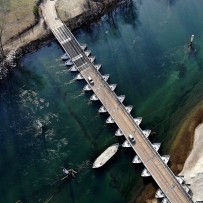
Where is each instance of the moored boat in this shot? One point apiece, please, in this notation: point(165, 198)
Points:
point(156, 146)
point(165, 200)
point(138, 121)
point(92, 59)
point(121, 98)
point(105, 77)
point(88, 52)
point(65, 56)
point(126, 143)
point(102, 109)
point(137, 160)
point(110, 120)
point(165, 158)
point(119, 133)
point(87, 88)
point(159, 194)
point(79, 77)
point(98, 66)
point(113, 87)
point(105, 156)
point(94, 97)
point(145, 173)
point(73, 68)
point(146, 132)
point(129, 108)
point(69, 62)
point(83, 46)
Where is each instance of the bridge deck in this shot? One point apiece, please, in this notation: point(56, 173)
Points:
point(143, 148)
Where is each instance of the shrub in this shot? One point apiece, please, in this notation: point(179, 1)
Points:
point(35, 11)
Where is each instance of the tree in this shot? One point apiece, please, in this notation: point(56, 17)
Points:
point(2, 26)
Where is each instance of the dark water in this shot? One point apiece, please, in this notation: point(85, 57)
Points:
point(144, 48)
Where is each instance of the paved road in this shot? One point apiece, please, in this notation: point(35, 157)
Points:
point(143, 148)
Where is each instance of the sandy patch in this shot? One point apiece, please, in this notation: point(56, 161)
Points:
point(193, 168)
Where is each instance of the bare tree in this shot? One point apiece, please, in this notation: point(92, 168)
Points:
point(2, 29)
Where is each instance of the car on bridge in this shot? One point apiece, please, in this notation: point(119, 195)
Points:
point(90, 80)
point(132, 139)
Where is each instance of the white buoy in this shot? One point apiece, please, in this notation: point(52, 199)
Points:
point(192, 38)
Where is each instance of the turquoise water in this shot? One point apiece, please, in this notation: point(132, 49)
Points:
point(144, 49)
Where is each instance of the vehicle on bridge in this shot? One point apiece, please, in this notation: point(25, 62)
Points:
point(132, 139)
point(90, 80)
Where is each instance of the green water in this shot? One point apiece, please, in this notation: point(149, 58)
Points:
point(144, 49)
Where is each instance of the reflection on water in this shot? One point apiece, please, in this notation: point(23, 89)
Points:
point(48, 122)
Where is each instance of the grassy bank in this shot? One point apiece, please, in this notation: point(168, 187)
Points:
point(16, 15)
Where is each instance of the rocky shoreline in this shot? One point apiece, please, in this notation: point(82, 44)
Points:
point(95, 12)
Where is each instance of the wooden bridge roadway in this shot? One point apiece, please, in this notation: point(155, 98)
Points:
point(161, 173)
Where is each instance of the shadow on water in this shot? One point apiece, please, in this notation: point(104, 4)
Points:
point(48, 192)
point(126, 13)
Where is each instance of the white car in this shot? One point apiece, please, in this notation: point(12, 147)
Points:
point(90, 80)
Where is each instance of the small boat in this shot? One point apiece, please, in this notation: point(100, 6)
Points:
point(65, 56)
point(126, 144)
point(159, 194)
point(156, 146)
point(109, 120)
point(73, 68)
point(136, 160)
point(138, 121)
point(113, 87)
point(79, 77)
point(105, 156)
point(69, 62)
point(87, 88)
point(105, 77)
point(98, 66)
point(165, 158)
point(129, 108)
point(145, 173)
point(119, 133)
point(94, 97)
point(83, 46)
point(121, 98)
point(146, 133)
point(92, 59)
point(102, 109)
point(87, 53)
